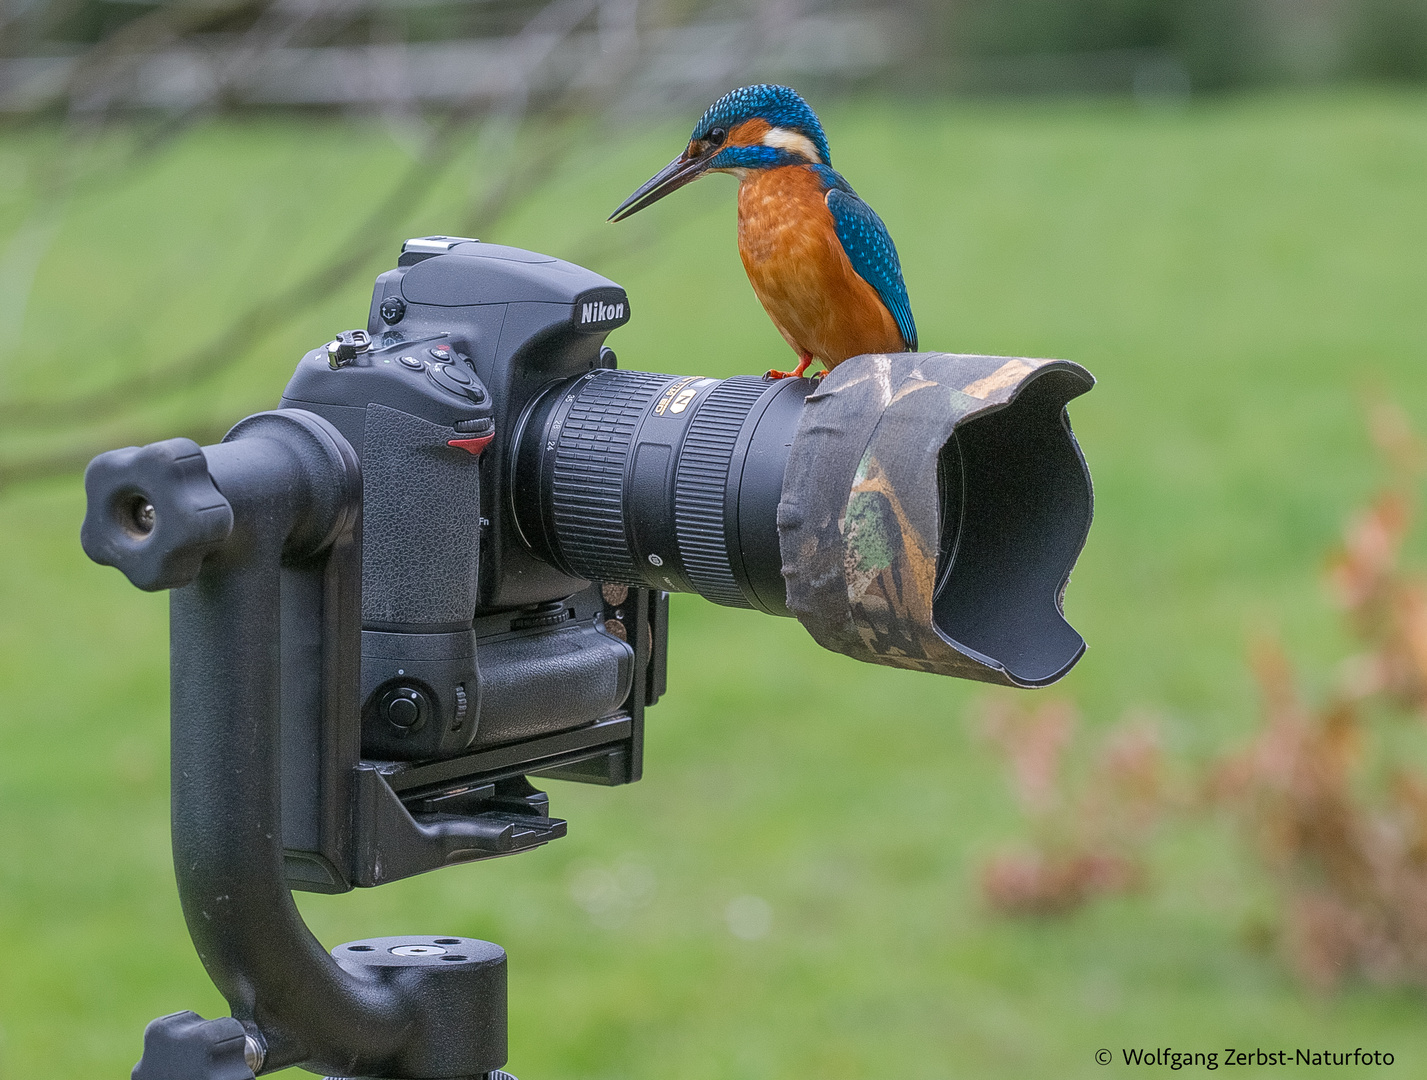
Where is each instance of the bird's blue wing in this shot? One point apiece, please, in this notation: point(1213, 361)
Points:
point(870, 249)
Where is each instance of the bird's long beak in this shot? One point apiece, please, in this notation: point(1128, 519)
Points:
point(671, 177)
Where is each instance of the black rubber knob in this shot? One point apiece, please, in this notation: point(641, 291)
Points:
point(184, 1044)
point(154, 512)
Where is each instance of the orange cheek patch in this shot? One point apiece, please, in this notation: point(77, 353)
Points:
point(749, 133)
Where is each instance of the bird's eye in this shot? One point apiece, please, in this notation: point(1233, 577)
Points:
point(716, 136)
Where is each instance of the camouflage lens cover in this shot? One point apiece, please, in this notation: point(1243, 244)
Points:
point(932, 510)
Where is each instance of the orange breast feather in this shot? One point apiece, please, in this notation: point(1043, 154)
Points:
point(800, 273)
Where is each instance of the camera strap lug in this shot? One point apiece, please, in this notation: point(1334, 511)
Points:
point(343, 349)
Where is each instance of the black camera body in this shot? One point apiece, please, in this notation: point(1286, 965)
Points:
point(468, 641)
point(475, 655)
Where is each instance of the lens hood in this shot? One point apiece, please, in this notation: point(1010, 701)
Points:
point(933, 507)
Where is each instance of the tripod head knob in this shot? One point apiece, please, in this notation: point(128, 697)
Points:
point(154, 513)
point(184, 1046)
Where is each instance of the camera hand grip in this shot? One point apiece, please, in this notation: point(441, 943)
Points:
point(421, 524)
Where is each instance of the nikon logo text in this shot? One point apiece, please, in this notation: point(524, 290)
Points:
point(598, 312)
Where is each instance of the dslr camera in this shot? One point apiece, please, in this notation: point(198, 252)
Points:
point(441, 569)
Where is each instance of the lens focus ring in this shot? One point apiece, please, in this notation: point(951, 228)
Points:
point(701, 486)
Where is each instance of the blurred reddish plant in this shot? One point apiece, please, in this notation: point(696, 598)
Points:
point(1087, 839)
point(1385, 605)
point(1349, 855)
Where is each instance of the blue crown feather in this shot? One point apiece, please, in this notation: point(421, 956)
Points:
point(781, 106)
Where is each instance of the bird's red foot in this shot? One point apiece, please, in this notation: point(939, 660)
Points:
point(804, 359)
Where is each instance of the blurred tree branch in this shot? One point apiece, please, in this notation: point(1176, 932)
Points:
point(569, 68)
point(519, 175)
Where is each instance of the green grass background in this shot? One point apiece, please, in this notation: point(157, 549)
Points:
point(1240, 275)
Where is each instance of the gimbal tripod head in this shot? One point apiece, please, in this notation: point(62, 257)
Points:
point(442, 569)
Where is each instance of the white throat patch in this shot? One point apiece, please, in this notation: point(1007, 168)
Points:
point(793, 142)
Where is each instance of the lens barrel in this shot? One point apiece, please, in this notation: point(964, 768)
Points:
point(665, 481)
point(933, 509)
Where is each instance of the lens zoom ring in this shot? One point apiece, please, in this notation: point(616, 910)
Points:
point(700, 485)
point(591, 452)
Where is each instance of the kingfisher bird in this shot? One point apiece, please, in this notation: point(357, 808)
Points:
point(819, 259)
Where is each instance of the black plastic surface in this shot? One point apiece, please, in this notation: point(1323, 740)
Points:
point(525, 320)
point(270, 791)
point(458, 988)
point(541, 683)
point(184, 1046)
point(439, 674)
point(765, 443)
point(154, 513)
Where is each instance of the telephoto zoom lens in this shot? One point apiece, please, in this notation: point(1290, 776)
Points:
point(665, 481)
